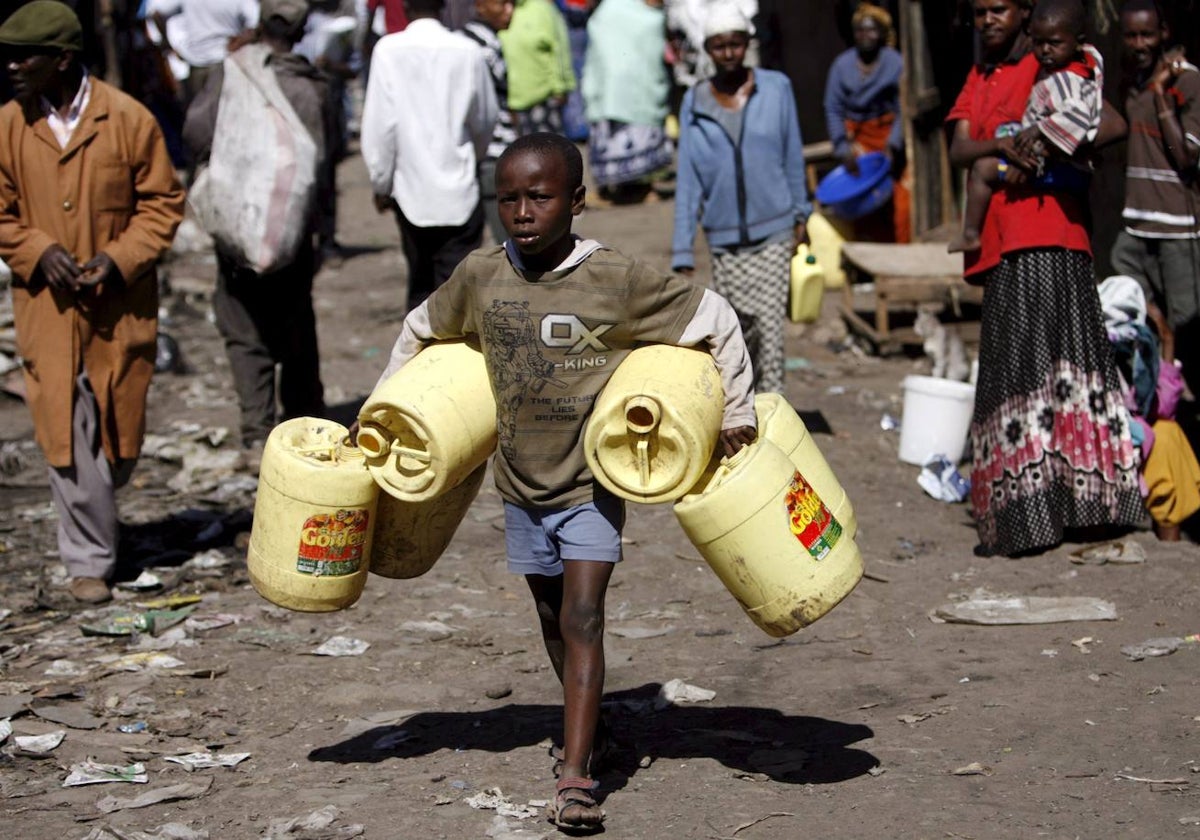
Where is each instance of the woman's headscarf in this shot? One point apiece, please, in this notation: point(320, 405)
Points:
point(881, 17)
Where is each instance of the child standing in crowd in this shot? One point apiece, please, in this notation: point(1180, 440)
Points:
point(562, 529)
point(1063, 112)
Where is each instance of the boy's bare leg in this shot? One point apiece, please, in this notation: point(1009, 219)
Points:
point(571, 612)
point(982, 177)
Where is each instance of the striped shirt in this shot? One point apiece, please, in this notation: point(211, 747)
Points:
point(505, 131)
point(1066, 105)
point(1160, 201)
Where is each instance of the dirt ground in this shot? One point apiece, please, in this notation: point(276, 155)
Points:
point(875, 722)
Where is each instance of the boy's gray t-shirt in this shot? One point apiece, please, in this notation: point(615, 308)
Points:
point(551, 344)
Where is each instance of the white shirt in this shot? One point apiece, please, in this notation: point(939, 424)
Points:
point(427, 119)
point(63, 123)
point(207, 26)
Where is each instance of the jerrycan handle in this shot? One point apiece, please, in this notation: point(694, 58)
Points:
point(642, 416)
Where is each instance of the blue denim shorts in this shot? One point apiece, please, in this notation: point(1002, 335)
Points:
point(539, 540)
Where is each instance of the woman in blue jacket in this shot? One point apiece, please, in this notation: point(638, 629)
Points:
point(741, 176)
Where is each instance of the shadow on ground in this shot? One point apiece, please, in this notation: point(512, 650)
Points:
point(785, 748)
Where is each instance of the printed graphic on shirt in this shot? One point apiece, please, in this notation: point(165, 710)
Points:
point(516, 362)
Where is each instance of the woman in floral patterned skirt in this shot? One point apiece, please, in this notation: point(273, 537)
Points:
point(1050, 435)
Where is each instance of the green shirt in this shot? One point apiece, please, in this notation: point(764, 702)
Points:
point(537, 53)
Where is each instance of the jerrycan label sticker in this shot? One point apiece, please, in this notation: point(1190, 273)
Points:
point(331, 544)
point(809, 519)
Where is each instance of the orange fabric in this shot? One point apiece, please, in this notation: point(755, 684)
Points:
point(872, 136)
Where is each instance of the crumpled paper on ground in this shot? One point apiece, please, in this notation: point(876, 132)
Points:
point(493, 799)
point(677, 691)
point(986, 608)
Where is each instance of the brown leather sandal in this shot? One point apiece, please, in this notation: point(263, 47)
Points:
point(573, 809)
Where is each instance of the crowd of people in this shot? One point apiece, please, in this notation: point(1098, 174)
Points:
point(470, 120)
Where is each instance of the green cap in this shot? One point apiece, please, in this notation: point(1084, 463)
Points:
point(43, 23)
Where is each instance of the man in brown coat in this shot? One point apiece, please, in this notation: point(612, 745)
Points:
point(88, 204)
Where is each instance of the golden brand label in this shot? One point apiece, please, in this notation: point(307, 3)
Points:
point(331, 544)
point(810, 520)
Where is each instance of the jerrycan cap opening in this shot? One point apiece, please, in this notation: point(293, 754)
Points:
point(373, 441)
point(642, 414)
point(315, 442)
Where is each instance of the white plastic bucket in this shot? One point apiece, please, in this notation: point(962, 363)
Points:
point(937, 416)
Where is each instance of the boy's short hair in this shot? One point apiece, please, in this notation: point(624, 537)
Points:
point(1068, 12)
point(1130, 7)
point(549, 144)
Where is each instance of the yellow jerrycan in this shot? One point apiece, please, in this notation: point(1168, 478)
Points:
point(431, 424)
point(310, 544)
point(771, 540)
point(411, 536)
point(825, 243)
point(807, 287)
point(779, 423)
point(655, 425)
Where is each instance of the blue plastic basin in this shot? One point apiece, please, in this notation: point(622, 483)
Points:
point(853, 196)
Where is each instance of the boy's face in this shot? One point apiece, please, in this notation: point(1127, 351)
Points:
point(495, 13)
point(1143, 35)
point(1054, 44)
point(868, 36)
point(536, 205)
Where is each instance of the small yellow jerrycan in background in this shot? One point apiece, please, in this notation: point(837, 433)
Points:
point(310, 545)
point(772, 541)
point(431, 424)
point(779, 423)
point(655, 425)
point(411, 536)
point(807, 287)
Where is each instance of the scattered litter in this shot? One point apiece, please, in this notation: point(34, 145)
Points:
point(126, 624)
point(1130, 778)
point(889, 423)
point(1163, 646)
point(435, 630)
point(204, 623)
point(93, 773)
point(36, 745)
point(132, 728)
point(65, 668)
point(1050, 652)
point(205, 760)
point(342, 646)
point(67, 716)
point(145, 581)
point(986, 608)
point(677, 691)
point(166, 831)
point(835, 390)
point(140, 661)
point(493, 799)
point(1082, 644)
point(501, 830)
point(170, 602)
point(972, 769)
point(186, 790)
point(917, 718)
point(877, 770)
point(940, 478)
point(309, 826)
point(642, 632)
point(1118, 553)
point(1189, 820)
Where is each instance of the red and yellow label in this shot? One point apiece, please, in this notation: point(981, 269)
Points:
point(810, 520)
point(331, 544)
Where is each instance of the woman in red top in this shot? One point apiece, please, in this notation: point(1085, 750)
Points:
point(1050, 437)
